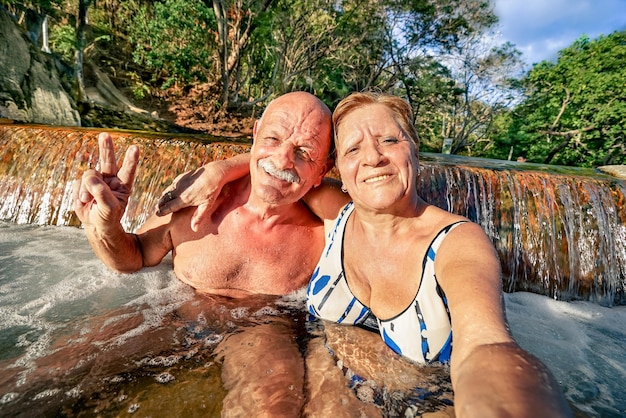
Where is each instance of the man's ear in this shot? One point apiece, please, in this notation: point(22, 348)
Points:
point(255, 129)
point(328, 165)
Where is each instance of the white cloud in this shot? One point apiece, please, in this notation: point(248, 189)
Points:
point(540, 28)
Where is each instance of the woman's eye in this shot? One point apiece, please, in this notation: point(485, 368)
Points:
point(390, 140)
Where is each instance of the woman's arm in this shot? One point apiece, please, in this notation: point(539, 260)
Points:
point(200, 187)
point(491, 375)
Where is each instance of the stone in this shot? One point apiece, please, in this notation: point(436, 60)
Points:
point(30, 87)
point(618, 171)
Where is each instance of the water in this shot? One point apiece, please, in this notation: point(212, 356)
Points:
point(79, 340)
point(559, 231)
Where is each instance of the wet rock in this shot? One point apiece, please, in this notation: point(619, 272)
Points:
point(618, 171)
point(30, 87)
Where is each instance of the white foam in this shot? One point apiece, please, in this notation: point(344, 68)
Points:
point(581, 342)
point(51, 282)
point(55, 280)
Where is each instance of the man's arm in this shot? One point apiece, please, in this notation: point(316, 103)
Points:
point(491, 375)
point(100, 199)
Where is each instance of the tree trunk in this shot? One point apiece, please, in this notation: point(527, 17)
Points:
point(221, 16)
point(44, 30)
point(81, 22)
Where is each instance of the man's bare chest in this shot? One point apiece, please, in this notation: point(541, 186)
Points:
point(247, 257)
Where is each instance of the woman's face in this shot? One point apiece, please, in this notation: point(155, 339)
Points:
point(376, 159)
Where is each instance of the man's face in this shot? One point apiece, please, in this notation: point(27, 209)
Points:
point(290, 150)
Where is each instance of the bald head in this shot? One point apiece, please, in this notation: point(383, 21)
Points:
point(299, 98)
point(301, 105)
point(292, 142)
point(305, 112)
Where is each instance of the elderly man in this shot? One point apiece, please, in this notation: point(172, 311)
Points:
point(257, 239)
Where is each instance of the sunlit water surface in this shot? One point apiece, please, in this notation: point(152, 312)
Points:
point(79, 340)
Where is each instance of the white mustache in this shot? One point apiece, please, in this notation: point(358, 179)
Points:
point(285, 175)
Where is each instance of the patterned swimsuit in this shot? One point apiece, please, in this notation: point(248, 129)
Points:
point(422, 332)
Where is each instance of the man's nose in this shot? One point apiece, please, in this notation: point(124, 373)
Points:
point(284, 157)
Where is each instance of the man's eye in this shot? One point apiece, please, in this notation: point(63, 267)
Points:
point(390, 140)
point(303, 153)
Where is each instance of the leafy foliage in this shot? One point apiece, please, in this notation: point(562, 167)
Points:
point(574, 112)
point(173, 38)
point(439, 55)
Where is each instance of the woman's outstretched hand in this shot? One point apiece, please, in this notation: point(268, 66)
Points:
point(201, 187)
point(193, 188)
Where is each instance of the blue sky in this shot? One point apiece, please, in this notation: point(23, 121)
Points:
point(541, 28)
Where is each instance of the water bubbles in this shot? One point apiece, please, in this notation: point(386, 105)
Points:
point(161, 361)
point(116, 379)
point(74, 392)
point(46, 393)
point(8, 397)
point(213, 340)
point(238, 313)
point(133, 408)
point(165, 378)
point(266, 311)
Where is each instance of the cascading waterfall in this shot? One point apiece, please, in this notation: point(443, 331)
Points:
point(559, 232)
point(38, 166)
point(78, 339)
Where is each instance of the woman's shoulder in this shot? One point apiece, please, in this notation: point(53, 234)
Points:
point(462, 228)
point(441, 218)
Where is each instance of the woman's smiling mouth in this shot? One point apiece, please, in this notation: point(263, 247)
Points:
point(377, 178)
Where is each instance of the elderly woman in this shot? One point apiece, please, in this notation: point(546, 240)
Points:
point(423, 273)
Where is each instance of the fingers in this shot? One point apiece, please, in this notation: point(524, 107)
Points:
point(129, 166)
point(94, 186)
point(79, 192)
point(108, 165)
point(78, 203)
point(168, 203)
point(201, 212)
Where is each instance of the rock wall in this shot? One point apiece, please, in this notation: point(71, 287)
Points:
point(30, 87)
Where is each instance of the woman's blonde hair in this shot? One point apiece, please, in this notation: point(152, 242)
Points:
point(403, 114)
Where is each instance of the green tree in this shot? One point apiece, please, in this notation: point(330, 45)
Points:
point(436, 55)
point(483, 87)
point(574, 111)
point(174, 39)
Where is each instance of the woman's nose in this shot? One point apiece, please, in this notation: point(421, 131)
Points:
point(371, 155)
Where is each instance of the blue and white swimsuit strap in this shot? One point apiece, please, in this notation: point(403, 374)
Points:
point(427, 317)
